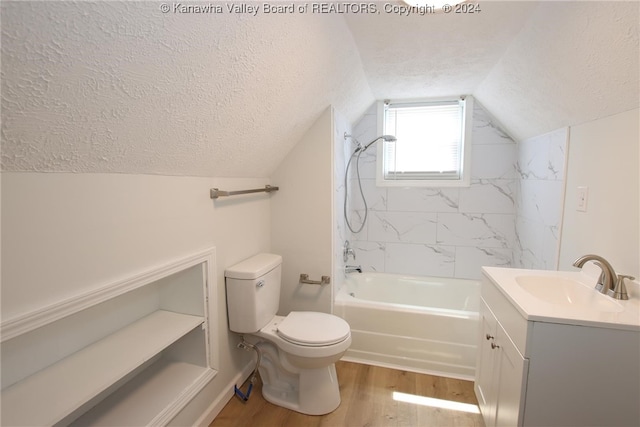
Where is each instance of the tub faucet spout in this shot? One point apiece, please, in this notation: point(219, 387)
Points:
point(608, 277)
point(352, 269)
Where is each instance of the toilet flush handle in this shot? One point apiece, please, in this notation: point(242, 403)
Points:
point(260, 284)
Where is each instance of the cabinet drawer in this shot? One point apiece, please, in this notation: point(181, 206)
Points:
point(511, 320)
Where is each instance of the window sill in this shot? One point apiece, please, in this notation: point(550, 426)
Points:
point(431, 183)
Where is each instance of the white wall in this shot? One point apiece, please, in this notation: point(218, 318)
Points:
point(65, 234)
point(301, 218)
point(603, 156)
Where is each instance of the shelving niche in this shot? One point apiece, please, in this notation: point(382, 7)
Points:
point(131, 353)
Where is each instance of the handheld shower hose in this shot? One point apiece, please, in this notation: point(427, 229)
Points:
point(358, 151)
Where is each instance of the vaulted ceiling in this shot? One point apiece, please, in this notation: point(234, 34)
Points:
point(121, 87)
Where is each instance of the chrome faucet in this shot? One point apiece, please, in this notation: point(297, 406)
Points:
point(346, 251)
point(608, 278)
point(352, 269)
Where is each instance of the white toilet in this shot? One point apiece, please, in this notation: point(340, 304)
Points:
point(299, 351)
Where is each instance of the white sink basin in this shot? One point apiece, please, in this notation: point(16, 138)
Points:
point(568, 293)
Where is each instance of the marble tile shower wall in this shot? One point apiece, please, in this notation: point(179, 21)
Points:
point(540, 193)
point(444, 232)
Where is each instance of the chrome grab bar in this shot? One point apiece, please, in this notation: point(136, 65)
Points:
point(215, 192)
point(324, 280)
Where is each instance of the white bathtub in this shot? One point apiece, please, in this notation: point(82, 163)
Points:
point(420, 324)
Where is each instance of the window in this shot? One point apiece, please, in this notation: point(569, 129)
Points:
point(432, 146)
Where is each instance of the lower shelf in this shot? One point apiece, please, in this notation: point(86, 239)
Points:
point(56, 393)
point(153, 397)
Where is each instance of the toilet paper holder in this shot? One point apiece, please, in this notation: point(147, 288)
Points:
point(324, 280)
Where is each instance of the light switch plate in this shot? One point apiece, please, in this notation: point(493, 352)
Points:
point(583, 197)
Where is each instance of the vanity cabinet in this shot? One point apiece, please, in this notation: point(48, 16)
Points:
point(535, 371)
point(133, 352)
point(501, 373)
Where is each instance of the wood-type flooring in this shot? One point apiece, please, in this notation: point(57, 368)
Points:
point(367, 394)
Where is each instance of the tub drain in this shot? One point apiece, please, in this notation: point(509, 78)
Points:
point(352, 294)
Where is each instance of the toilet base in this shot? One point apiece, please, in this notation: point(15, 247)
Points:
point(316, 392)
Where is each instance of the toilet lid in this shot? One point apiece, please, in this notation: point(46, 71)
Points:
point(313, 328)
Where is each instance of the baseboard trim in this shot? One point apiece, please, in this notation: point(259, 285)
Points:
point(223, 398)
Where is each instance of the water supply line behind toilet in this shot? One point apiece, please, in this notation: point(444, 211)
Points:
point(247, 346)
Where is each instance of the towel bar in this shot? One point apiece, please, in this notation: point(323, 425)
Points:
point(215, 193)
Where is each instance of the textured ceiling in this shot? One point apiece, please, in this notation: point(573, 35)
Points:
point(573, 62)
point(122, 87)
point(537, 66)
point(435, 55)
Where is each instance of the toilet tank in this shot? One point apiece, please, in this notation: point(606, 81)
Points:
point(253, 292)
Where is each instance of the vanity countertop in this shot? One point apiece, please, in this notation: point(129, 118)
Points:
point(622, 314)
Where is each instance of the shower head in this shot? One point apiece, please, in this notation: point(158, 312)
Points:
point(388, 138)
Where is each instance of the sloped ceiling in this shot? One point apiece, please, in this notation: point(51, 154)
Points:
point(435, 55)
point(122, 87)
point(572, 62)
point(536, 66)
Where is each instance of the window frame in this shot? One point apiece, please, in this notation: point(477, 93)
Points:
point(465, 172)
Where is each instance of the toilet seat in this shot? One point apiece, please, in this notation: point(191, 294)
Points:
point(313, 329)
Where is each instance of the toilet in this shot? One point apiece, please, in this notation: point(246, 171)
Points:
point(298, 351)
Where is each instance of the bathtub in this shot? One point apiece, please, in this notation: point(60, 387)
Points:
point(419, 324)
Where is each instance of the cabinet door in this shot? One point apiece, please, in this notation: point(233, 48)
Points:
point(511, 373)
point(485, 385)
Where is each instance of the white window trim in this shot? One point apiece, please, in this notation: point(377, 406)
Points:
point(465, 178)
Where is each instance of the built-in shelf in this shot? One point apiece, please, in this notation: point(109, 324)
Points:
point(132, 353)
point(54, 393)
point(151, 398)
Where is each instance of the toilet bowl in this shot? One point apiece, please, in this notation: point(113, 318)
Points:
point(301, 375)
point(298, 351)
point(309, 340)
